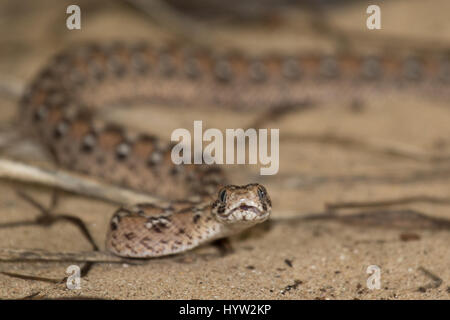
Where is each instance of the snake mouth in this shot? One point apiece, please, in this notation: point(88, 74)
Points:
point(247, 208)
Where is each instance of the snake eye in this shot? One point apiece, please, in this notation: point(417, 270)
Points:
point(261, 193)
point(223, 195)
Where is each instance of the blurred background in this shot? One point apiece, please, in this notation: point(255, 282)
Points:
point(335, 144)
point(379, 150)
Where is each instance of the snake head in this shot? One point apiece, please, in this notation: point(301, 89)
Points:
point(244, 204)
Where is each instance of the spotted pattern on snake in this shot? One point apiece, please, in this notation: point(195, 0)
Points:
point(59, 107)
point(182, 226)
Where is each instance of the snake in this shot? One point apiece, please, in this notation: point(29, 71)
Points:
point(59, 107)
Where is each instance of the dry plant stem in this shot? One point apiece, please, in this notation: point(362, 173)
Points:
point(36, 255)
point(30, 277)
point(182, 25)
point(73, 183)
point(396, 149)
point(385, 203)
point(11, 87)
point(436, 281)
point(88, 187)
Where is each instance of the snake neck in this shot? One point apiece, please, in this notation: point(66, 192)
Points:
point(146, 231)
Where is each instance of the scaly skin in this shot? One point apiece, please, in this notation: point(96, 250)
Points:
point(145, 231)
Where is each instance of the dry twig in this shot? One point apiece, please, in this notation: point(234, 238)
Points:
point(73, 183)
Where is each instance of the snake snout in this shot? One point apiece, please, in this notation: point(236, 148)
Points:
point(245, 209)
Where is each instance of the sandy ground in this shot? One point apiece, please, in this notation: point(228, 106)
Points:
point(298, 255)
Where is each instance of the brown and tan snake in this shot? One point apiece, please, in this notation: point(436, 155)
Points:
point(59, 105)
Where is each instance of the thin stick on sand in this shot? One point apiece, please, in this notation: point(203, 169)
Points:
point(37, 255)
point(73, 183)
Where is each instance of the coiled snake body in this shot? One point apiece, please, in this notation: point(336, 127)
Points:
point(59, 104)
